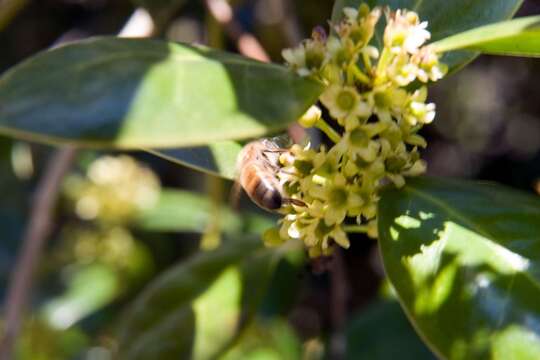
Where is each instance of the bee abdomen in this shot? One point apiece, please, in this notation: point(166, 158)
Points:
point(268, 196)
point(261, 188)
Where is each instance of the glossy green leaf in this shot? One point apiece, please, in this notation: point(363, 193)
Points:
point(519, 37)
point(197, 308)
point(267, 340)
point(186, 211)
point(445, 18)
point(218, 159)
point(464, 259)
point(383, 332)
point(135, 93)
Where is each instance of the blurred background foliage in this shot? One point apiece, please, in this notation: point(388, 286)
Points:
point(127, 219)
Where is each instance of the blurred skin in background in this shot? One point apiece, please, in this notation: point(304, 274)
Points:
point(100, 256)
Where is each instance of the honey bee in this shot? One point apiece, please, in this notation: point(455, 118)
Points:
point(257, 167)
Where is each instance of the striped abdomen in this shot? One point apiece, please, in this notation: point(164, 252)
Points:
point(261, 186)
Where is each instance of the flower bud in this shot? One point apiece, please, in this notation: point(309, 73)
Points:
point(310, 118)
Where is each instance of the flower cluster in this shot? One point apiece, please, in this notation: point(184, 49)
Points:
point(114, 190)
point(374, 123)
point(110, 196)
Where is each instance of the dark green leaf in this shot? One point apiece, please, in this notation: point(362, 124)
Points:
point(383, 332)
point(285, 285)
point(133, 93)
point(445, 17)
point(464, 259)
point(217, 158)
point(197, 308)
point(519, 37)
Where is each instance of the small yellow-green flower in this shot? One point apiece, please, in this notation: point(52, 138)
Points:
point(345, 102)
point(309, 57)
point(405, 31)
point(296, 58)
point(358, 143)
point(339, 196)
point(429, 67)
point(417, 111)
point(387, 102)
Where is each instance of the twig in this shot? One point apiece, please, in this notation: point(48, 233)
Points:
point(38, 228)
point(291, 28)
point(338, 303)
point(9, 9)
point(246, 43)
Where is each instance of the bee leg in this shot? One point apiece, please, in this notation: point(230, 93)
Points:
point(279, 151)
point(234, 195)
point(287, 172)
point(294, 202)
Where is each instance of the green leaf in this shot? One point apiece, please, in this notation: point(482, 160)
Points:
point(267, 340)
point(286, 284)
point(196, 309)
point(464, 259)
point(383, 332)
point(186, 211)
point(134, 93)
point(445, 18)
point(89, 289)
point(218, 159)
point(519, 37)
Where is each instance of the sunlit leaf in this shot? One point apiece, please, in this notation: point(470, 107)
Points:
point(183, 211)
point(217, 158)
point(445, 17)
point(135, 93)
point(198, 307)
point(383, 332)
point(520, 37)
point(464, 259)
point(269, 340)
point(89, 289)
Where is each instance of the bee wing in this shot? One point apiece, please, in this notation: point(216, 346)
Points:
point(281, 141)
